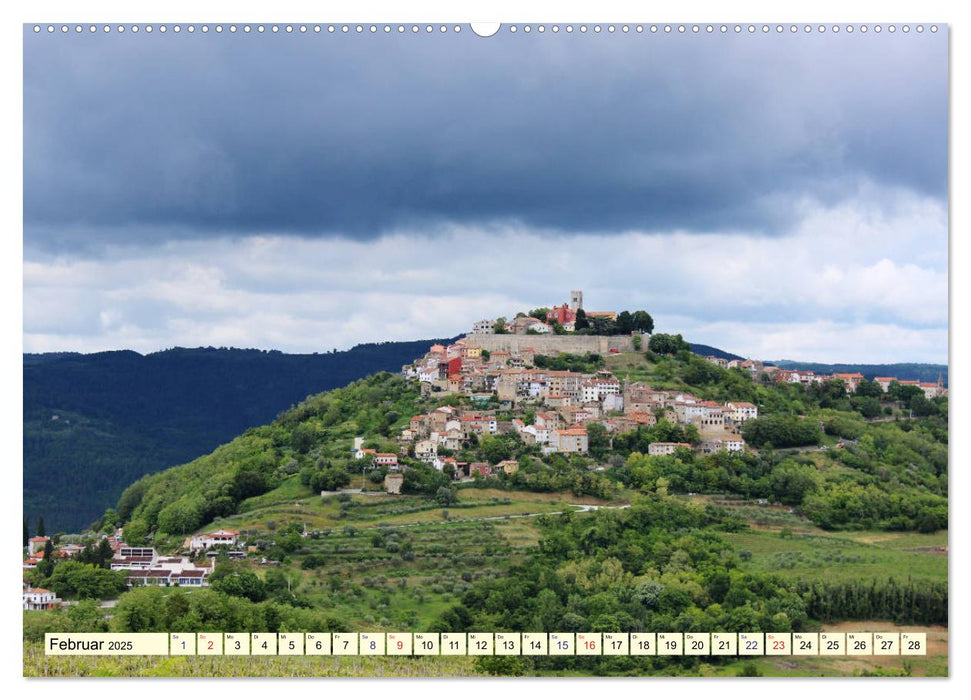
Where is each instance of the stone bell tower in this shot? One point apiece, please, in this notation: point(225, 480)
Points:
point(576, 300)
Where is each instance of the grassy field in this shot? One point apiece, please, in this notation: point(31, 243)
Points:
point(293, 502)
point(405, 576)
point(844, 556)
point(37, 664)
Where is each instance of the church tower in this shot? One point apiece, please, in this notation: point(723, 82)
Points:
point(576, 300)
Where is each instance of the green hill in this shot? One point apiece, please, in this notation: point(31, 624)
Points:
point(95, 423)
point(784, 538)
point(889, 472)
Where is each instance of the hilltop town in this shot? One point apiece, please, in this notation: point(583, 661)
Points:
point(504, 368)
point(553, 400)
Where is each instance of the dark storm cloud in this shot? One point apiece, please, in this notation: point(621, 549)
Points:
point(199, 135)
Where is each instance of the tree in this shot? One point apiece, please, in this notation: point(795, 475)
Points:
point(72, 578)
point(581, 321)
point(109, 522)
point(241, 584)
point(642, 321)
point(499, 327)
point(302, 438)
point(331, 479)
point(493, 449)
point(446, 495)
point(598, 440)
point(40, 526)
point(136, 533)
point(922, 406)
point(791, 482)
point(781, 431)
point(867, 387)
point(904, 392)
point(665, 344)
point(625, 322)
point(26, 533)
point(104, 554)
point(46, 566)
point(182, 516)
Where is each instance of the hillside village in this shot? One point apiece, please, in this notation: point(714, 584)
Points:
point(499, 380)
point(555, 408)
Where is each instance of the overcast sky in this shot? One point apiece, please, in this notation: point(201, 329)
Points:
point(775, 196)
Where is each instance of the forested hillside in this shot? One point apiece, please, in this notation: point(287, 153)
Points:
point(95, 423)
point(844, 461)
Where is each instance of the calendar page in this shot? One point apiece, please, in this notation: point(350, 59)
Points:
point(525, 349)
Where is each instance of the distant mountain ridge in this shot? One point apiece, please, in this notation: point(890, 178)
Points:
point(94, 423)
point(901, 370)
point(706, 350)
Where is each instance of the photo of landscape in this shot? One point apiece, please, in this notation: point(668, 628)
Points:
point(592, 346)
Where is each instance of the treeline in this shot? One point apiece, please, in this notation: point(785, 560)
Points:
point(159, 609)
point(908, 603)
point(855, 506)
point(626, 323)
point(781, 431)
point(564, 361)
point(73, 579)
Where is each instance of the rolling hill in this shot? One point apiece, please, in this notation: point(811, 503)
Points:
point(94, 423)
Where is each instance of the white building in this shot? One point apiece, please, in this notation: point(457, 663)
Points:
point(742, 411)
point(596, 389)
point(428, 373)
point(539, 435)
point(483, 326)
point(657, 449)
point(219, 538)
point(426, 450)
point(733, 444)
point(39, 598)
point(386, 459)
point(613, 402)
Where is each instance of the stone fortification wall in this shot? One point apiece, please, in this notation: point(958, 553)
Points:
point(553, 344)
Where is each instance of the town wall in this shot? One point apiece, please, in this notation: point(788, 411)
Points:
point(553, 344)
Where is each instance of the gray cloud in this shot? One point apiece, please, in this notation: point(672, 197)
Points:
point(810, 295)
point(145, 138)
